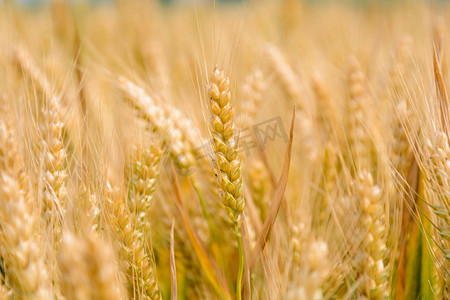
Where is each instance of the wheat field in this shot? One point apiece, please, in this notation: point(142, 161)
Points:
point(248, 150)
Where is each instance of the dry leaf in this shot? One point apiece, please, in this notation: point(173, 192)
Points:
point(276, 202)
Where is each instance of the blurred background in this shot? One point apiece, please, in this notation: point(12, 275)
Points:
point(37, 3)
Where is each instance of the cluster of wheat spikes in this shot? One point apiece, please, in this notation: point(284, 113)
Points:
point(256, 150)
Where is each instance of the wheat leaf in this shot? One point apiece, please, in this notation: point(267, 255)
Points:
point(276, 202)
point(205, 262)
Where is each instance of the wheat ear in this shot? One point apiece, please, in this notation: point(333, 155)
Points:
point(143, 171)
point(401, 151)
point(100, 269)
point(311, 274)
point(139, 270)
point(87, 268)
point(19, 237)
point(53, 154)
point(54, 171)
point(357, 135)
point(371, 268)
point(228, 162)
point(258, 184)
point(327, 116)
point(440, 183)
point(286, 76)
point(177, 132)
point(225, 144)
point(73, 282)
point(252, 96)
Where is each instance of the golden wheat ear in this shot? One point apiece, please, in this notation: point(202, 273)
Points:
point(310, 272)
point(253, 90)
point(88, 268)
point(225, 144)
point(52, 153)
point(372, 270)
point(285, 74)
point(358, 137)
point(438, 168)
point(143, 171)
point(25, 270)
point(54, 171)
point(177, 133)
point(137, 264)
